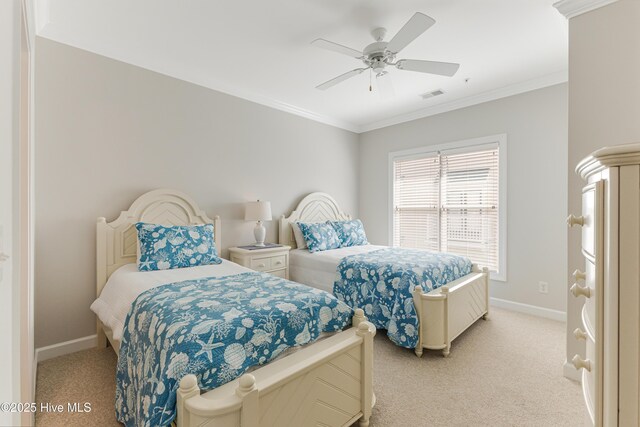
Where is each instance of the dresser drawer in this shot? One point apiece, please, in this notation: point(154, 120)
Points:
point(588, 213)
point(261, 264)
point(590, 304)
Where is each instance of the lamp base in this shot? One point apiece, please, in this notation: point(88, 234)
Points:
point(259, 233)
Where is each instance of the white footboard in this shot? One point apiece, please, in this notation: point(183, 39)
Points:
point(327, 383)
point(448, 311)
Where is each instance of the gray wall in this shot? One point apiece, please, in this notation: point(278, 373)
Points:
point(536, 128)
point(604, 107)
point(108, 132)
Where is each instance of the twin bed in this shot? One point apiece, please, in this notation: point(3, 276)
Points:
point(327, 382)
point(443, 313)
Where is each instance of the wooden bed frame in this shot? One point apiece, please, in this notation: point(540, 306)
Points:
point(325, 383)
point(443, 313)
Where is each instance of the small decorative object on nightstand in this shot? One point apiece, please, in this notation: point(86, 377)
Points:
point(274, 260)
point(258, 211)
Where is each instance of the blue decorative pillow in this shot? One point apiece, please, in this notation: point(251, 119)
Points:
point(163, 247)
point(319, 236)
point(350, 233)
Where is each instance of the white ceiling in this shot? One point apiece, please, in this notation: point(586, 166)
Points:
point(260, 50)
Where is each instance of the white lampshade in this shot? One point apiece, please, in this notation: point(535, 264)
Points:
point(257, 211)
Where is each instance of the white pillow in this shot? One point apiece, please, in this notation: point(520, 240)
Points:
point(297, 233)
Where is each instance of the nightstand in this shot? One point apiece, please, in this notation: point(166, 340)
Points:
point(271, 260)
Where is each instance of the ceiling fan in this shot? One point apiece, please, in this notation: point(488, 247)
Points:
point(380, 54)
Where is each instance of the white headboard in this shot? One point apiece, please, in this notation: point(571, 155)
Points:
point(316, 207)
point(117, 241)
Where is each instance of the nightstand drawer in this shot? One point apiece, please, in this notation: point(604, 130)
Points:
point(261, 264)
point(278, 262)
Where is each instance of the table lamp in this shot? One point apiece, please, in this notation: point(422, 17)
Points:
point(258, 211)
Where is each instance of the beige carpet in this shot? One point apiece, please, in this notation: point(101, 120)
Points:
point(506, 371)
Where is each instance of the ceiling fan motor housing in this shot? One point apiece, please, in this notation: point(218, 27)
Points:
point(377, 57)
point(375, 50)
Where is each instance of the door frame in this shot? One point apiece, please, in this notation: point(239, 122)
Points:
point(25, 191)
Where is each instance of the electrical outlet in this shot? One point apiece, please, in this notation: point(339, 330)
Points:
point(543, 287)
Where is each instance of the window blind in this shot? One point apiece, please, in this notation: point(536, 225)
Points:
point(416, 220)
point(448, 202)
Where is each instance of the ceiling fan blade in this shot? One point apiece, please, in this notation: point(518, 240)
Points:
point(385, 85)
point(432, 67)
point(340, 78)
point(418, 24)
point(335, 47)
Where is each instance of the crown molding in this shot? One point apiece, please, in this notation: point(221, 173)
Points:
point(279, 105)
point(42, 19)
point(573, 8)
point(180, 74)
point(515, 89)
point(262, 100)
point(492, 95)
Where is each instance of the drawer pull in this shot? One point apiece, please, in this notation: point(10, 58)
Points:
point(580, 363)
point(261, 265)
point(578, 290)
point(278, 262)
point(575, 220)
point(579, 275)
point(580, 334)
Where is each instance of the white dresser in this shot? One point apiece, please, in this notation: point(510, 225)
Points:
point(609, 284)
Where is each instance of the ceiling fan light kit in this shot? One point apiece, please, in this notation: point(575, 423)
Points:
point(380, 54)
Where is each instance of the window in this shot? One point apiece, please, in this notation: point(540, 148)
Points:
point(452, 198)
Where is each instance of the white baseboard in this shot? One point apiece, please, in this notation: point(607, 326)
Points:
point(67, 347)
point(529, 309)
point(569, 371)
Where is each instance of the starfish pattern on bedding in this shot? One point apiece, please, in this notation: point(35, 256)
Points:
point(145, 265)
point(309, 305)
point(206, 348)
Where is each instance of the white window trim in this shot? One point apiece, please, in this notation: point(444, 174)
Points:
point(501, 140)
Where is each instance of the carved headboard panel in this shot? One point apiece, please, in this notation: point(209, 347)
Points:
point(316, 207)
point(117, 241)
